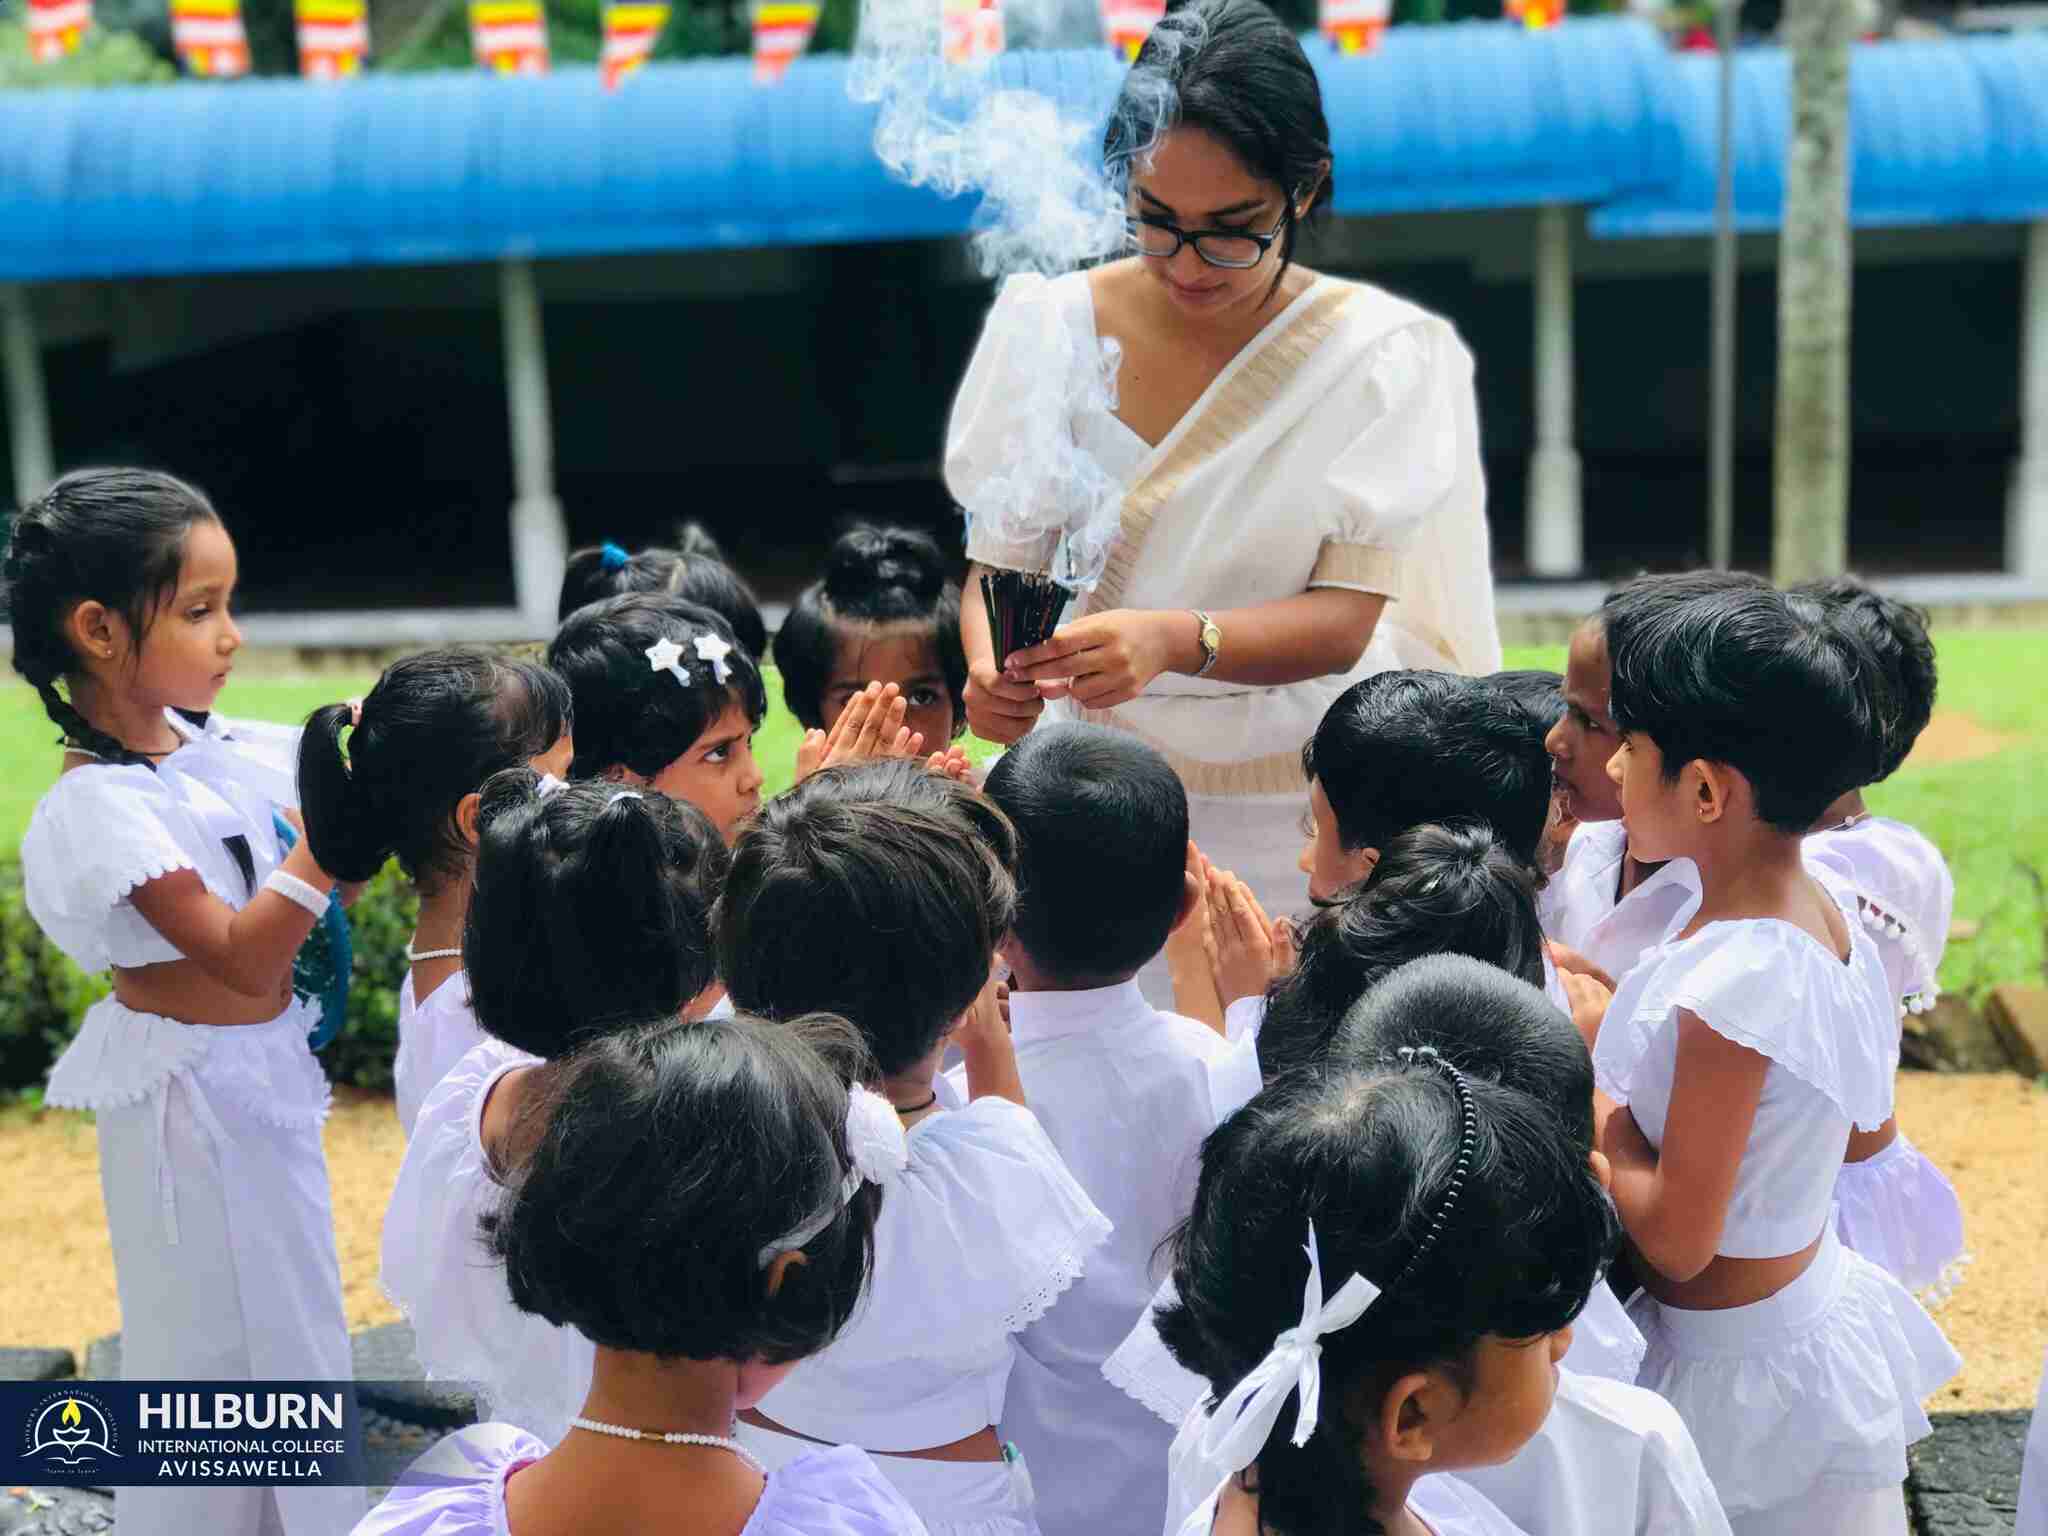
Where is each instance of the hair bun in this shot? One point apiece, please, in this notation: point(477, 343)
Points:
point(868, 557)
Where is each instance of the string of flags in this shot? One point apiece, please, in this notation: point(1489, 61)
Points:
point(334, 37)
point(56, 26)
point(1353, 26)
point(208, 38)
point(631, 29)
point(782, 31)
point(510, 37)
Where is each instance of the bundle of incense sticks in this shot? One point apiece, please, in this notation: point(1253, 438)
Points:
point(1023, 608)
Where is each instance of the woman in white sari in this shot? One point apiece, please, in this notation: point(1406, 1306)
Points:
point(1302, 500)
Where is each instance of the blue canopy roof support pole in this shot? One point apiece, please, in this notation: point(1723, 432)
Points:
point(28, 407)
point(1556, 534)
point(2026, 535)
point(540, 534)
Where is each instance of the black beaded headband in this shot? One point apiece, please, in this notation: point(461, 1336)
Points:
point(1426, 1056)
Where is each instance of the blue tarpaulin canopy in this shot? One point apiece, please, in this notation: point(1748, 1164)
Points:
point(461, 167)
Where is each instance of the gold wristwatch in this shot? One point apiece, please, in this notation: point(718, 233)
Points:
point(1212, 642)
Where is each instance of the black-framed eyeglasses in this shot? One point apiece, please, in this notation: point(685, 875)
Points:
point(1232, 248)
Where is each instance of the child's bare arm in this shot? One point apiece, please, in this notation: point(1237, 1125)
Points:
point(250, 951)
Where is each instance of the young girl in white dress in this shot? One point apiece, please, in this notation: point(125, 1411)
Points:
point(879, 893)
point(664, 699)
point(1610, 1456)
point(397, 772)
point(1740, 1055)
point(699, 1202)
point(1376, 1283)
point(886, 610)
point(1606, 906)
point(155, 856)
point(1892, 1205)
point(592, 907)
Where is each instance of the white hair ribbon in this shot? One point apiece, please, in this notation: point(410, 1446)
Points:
point(547, 786)
point(1236, 1429)
point(879, 1152)
point(624, 794)
point(714, 650)
point(666, 655)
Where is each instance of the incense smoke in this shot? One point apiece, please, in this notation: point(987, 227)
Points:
point(1053, 189)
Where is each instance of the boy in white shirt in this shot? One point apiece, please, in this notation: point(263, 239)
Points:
point(1125, 1092)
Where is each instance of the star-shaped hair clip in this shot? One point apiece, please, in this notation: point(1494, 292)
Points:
point(714, 650)
point(666, 655)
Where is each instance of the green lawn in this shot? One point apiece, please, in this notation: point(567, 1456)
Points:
point(1994, 832)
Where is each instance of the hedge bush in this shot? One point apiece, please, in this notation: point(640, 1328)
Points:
point(43, 996)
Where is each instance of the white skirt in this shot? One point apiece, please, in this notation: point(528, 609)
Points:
point(1817, 1387)
point(217, 1200)
point(1900, 1212)
point(953, 1498)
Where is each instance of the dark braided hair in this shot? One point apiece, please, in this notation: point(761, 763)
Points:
point(111, 536)
point(1467, 1201)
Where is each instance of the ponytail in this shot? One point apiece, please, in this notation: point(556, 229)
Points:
point(348, 840)
point(435, 727)
point(591, 908)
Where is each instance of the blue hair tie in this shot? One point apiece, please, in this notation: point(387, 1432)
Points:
point(611, 557)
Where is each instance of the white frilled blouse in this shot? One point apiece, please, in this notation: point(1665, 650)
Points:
point(1340, 448)
point(978, 1237)
point(1829, 1028)
point(437, 1271)
point(1908, 897)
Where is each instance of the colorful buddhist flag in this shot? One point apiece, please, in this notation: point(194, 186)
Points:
point(1353, 26)
point(1129, 23)
point(970, 30)
point(782, 31)
point(509, 37)
point(55, 27)
point(631, 29)
point(334, 38)
point(1534, 14)
point(209, 38)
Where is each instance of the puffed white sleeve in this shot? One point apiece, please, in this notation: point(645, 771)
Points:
point(985, 1210)
point(99, 834)
point(456, 1487)
point(1414, 395)
point(1008, 403)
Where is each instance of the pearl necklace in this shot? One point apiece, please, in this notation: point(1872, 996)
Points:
point(672, 1437)
point(415, 956)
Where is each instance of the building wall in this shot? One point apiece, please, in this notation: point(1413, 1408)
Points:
point(352, 424)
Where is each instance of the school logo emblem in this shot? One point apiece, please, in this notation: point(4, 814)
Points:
point(71, 1432)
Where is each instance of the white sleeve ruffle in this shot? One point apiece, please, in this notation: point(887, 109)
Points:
point(437, 1271)
point(978, 1237)
point(99, 834)
point(457, 1488)
point(1770, 987)
point(1410, 389)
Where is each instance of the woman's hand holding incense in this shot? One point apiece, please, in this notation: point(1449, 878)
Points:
point(1110, 658)
point(1000, 709)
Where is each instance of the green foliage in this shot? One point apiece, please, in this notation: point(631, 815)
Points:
point(106, 56)
point(42, 994)
point(380, 924)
